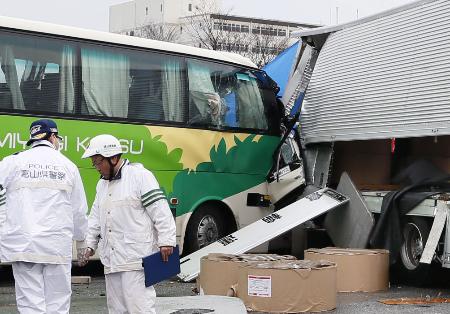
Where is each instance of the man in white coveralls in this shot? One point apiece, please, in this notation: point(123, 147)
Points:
point(130, 219)
point(42, 209)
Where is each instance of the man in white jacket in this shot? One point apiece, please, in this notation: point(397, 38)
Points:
point(130, 219)
point(42, 210)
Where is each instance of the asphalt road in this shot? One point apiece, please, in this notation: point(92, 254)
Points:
point(91, 298)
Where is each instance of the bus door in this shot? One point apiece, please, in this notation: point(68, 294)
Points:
point(287, 174)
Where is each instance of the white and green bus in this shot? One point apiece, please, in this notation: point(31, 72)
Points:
point(206, 123)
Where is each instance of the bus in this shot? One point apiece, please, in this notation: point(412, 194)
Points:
point(206, 123)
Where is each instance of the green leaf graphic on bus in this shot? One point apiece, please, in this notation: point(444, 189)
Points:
point(161, 158)
point(226, 174)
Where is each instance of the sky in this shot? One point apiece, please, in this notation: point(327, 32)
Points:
point(93, 14)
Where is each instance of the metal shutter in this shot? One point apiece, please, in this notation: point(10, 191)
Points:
point(389, 77)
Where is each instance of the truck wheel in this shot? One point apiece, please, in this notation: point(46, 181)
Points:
point(415, 236)
point(206, 226)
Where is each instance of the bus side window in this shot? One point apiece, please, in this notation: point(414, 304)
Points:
point(251, 105)
point(31, 71)
point(11, 97)
point(157, 87)
point(145, 96)
point(231, 114)
point(105, 76)
point(206, 106)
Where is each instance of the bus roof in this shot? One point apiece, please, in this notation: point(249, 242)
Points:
point(81, 33)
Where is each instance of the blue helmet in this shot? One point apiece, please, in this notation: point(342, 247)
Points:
point(42, 128)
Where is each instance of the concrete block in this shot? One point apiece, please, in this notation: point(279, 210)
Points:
point(80, 280)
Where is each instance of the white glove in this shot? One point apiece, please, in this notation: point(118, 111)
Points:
point(82, 255)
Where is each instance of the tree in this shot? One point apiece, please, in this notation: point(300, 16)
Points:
point(265, 48)
point(211, 29)
point(205, 25)
point(159, 31)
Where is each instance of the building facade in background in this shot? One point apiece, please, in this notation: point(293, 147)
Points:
point(201, 23)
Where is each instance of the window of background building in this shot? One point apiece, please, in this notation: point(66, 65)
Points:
point(235, 27)
point(146, 10)
point(190, 7)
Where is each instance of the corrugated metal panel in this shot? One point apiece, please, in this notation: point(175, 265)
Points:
point(389, 77)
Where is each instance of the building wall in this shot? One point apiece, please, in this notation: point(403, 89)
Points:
point(122, 17)
point(127, 16)
point(246, 36)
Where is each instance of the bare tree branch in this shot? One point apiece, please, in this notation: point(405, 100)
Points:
point(204, 26)
point(215, 30)
point(159, 31)
point(265, 48)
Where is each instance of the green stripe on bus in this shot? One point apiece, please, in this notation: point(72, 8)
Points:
point(154, 200)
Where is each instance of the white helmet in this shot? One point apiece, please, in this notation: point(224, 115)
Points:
point(105, 145)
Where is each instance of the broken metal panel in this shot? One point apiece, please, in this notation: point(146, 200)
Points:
point(435, 233)
point(427, 208)
point(298, 83)
point(318, 162)
point(349, 226)
point(264, 229)
point(446, 255)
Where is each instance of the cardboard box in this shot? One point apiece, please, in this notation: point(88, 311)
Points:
point(430, 146)
point(219, 272)
point(366, 162)
point(357, 270)
point(288, 286)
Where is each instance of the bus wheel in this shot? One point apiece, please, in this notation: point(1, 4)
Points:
point(415, 236)
point(207, 225)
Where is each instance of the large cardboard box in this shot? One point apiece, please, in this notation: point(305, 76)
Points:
point(357, 269)
point(366, 162)
point(219, 272)
point(288, 286)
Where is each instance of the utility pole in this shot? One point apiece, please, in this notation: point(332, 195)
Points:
point(135, 15)
point(163, 22)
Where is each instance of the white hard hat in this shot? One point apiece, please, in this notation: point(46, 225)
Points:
point(105, 145)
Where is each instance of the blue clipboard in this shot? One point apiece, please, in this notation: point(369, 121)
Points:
point(156, 270)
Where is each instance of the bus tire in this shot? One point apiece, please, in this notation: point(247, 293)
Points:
point(415, 232)
point(207, 224)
